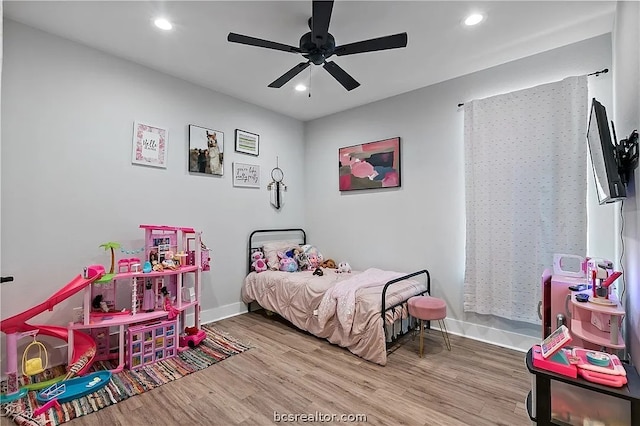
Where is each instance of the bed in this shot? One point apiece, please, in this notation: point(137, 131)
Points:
point(363, 311)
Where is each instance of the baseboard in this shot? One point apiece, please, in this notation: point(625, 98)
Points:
point(221, 312)
point(506, 339)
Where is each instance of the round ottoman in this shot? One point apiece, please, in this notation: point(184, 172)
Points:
point(427, 308)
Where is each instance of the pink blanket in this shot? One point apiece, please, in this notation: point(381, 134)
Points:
point(341, 299)
point(297, 297)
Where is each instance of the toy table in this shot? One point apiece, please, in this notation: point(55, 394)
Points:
point(624, 400)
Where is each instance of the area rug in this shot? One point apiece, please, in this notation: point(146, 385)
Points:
point(216, 347)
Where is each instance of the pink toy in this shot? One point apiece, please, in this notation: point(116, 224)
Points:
point(258, 265)
point(173, 312)
point(192, 340)
point(152, 342)
point(314, 262)
point(15, 327)
point(45, 407)
point(287, 264)
point(83, 348)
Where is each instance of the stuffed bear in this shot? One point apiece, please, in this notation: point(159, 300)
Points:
point(344, 267)
point(329, 263)
point(258, 265)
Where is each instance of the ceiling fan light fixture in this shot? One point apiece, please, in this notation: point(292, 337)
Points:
point(301, 87)
point(473, 19)
point(163, 24)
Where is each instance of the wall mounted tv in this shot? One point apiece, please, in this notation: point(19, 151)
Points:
point(604, 156)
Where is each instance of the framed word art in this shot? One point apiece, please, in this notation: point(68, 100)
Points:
point(247, 175)
point(149, 145)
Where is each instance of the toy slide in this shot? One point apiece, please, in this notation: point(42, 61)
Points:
point(83, 347)
point(17, 323)
point(82, 344)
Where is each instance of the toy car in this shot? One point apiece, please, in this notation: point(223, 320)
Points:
point(192, 340)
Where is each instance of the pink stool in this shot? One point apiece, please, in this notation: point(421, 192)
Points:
point(427, 308)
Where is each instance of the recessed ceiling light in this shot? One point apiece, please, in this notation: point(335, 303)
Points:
point(301, 87)
point(473, 19)
point(163, 24)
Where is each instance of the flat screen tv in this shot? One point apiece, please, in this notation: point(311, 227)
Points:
point(609, 183)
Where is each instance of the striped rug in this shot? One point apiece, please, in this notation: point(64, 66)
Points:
point(215, 348)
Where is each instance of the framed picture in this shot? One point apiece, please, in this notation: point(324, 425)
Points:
point(247, 175)
point(206, 150)
point(149, 145)
point(370, 165)
point(247, 143)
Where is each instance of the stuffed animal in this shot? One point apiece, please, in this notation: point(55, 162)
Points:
point(303, 260)
point(313, 261)
point(329, 263)
point(287, 264)
point(344, 267)
point(258, 265)
point(308, 249)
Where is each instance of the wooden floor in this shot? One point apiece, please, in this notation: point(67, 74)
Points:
point(289, 372)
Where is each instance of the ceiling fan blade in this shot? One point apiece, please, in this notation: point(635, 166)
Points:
point(252, 41)
point(341, 75)
point(290, 74)
point(382, 43)
point(320, 17)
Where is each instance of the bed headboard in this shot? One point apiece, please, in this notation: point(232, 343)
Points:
point(260, 236)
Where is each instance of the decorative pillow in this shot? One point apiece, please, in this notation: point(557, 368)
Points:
point(271, 252)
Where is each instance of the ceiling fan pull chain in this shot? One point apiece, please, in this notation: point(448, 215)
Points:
point(309, 81)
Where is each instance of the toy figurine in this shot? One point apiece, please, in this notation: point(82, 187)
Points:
point(149, 299)
point(173, 312)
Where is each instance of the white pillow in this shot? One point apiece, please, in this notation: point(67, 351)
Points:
point(271, 252)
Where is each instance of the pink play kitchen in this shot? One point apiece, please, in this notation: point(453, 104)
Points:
point(577, 376)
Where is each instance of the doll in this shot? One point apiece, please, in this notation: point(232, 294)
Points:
point(149, 298)
point(173, 312)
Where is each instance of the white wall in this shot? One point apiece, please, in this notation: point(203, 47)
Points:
point(422, 224)
point(68, 184)
point(626, 93)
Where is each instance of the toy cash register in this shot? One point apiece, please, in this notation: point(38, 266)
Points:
point(549, 355)
point(555, 341)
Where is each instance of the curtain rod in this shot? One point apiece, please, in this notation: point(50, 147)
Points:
point(597, 73)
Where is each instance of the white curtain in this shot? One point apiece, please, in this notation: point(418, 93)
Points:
point(526, 184)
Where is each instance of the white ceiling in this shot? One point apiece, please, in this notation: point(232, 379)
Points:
point(439, 46)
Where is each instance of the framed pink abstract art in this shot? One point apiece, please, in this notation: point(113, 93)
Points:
point(370, 165)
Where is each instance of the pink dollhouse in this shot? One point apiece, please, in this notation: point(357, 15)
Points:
point(120, 309)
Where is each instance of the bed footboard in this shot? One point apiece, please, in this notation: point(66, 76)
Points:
point(400, 325)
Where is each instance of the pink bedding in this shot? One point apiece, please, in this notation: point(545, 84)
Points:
point(297, 296)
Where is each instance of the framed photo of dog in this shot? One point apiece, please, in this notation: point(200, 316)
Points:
point(206, 150)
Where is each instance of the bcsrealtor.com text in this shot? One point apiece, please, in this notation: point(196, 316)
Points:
point(318, 417)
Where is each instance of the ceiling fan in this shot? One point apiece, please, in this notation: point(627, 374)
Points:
point(318, 45)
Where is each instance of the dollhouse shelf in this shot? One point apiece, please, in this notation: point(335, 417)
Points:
point(154, 274)
point(138, 298)
point(128, 319)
